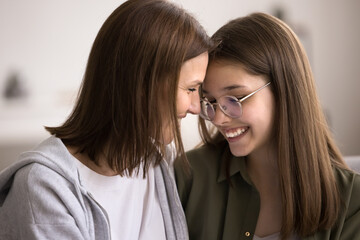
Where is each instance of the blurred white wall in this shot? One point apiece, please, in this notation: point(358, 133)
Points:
point(46, 43)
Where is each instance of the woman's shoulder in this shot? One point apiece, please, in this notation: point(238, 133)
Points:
point(36, 173)
point(38, 170)
point(36, 178)
point(33, 184)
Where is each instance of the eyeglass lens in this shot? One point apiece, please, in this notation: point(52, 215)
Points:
point(228, 104)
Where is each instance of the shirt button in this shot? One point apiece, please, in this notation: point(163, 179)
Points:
point(247, 234)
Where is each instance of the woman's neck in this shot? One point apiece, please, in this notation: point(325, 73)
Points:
point(102, 168)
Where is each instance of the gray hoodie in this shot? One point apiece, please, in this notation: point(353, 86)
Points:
point(42, 197)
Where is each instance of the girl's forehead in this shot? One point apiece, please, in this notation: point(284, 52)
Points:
point(222, 78)
point(222, 87)
point(220, 74)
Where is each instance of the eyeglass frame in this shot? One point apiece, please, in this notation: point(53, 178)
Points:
point(239, 101)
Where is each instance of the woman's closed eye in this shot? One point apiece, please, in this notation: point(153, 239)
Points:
point(192, 89)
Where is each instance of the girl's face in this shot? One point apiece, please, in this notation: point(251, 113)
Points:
point(192, 75)
point(252, 132)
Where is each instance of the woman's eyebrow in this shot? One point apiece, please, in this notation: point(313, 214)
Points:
point(196, 82)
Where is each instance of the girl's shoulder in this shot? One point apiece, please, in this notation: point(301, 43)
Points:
point(349, 187)
point(204, 162)
point(347, 178)
point(206, 153)
point(347, 226)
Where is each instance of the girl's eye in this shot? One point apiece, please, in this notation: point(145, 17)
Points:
point(239, 97)
point(232, 100)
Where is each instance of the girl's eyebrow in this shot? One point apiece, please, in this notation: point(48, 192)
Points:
point(227, 88)
point(232, 87)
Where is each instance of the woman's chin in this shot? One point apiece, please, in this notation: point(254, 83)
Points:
point(167, 139)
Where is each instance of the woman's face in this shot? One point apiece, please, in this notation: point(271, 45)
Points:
point(192, 75)
point(252, 132)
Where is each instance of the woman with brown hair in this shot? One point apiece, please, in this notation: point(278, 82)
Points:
point(106, 173)
point(271, 169)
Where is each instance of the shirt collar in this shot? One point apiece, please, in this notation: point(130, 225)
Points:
point(237, 164)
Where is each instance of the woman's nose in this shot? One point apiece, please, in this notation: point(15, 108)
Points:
point(194, 107)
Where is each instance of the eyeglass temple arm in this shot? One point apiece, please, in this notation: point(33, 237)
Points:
point(246, 97)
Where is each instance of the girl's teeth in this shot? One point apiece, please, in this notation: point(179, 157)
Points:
point(236, 133)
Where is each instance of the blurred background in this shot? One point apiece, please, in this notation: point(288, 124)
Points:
point(44, 47)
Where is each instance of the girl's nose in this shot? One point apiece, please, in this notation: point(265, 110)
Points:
point(220, 117)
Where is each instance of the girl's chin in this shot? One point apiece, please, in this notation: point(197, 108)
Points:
point(237, 151)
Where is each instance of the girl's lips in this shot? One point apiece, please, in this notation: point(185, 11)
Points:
point(232, 134)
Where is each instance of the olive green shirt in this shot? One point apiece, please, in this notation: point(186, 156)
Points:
point(214, 210)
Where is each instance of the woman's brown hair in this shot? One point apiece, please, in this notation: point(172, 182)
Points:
point(130, 82)
point(264, 45)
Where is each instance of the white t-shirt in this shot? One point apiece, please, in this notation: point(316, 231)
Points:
point(131, 203)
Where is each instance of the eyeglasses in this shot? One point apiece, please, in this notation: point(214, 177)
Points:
point(229, 105)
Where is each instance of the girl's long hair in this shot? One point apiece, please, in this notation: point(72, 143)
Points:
point(307, 154)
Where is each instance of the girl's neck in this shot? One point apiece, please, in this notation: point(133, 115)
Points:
point(264, 173)
point(262, 168)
